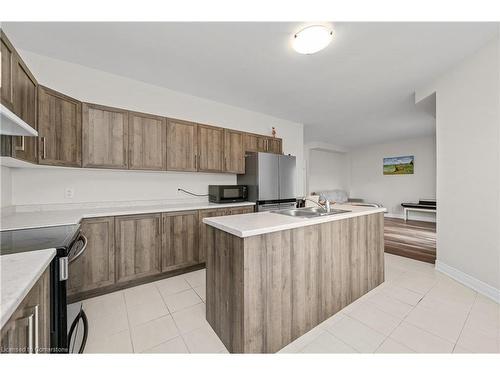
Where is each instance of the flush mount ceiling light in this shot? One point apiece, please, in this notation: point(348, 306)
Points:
point(312, 39)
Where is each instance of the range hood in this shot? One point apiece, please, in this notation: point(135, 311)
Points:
point(11, 124)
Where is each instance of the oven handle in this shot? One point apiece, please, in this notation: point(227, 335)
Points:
point(85, 242)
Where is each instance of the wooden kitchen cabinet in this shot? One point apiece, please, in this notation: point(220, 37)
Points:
point(255, 143)
point(95, 268)
point(262, 143)
point(18, 91)
point(7, 70)
point(28, 329)
point(138, 246)
point(210, 148)
point(59, 129)
point(147, 141)
point(234, 151)
point(182, 145)
point(203, 233)
point(104, 137)
point(274, 145)
point(19, 94)
point(179, 240)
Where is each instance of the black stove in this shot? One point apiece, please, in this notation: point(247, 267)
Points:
point(69, 245)
point(22, 240)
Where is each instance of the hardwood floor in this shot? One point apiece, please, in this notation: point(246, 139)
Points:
point(411, 239)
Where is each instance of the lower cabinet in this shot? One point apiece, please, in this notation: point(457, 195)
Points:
point(28, 329)
point(95, 268)
point(179, 240)
point(125, 249)
point(138, 246)
point(204, 234)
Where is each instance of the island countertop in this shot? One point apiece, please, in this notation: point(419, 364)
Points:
point(246, 225)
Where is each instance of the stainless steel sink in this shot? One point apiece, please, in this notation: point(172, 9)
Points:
point(310, 212)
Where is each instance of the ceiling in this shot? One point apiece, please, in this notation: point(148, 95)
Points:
point(359, 90)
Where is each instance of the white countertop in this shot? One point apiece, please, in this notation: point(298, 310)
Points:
point(253, 224)
point(36, 219)
point(19, 272)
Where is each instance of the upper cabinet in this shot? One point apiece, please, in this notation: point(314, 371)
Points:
point(59, 129)
point(104, 137)
point(274, 145)
point(255, 143)
point(182, 145)
point(18, 94)
point(75, 134)
point(210, 149)
point(234, 151)
point(8, 62)
point(262, 143)
point(147, 141)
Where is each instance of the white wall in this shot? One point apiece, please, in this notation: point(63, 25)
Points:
point(6, 188)
point(468, 168)
point(328, 170)
point(100, 87)
point(369, 182)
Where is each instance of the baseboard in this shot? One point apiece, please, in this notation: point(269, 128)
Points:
point(473, 283)
point(417, 218)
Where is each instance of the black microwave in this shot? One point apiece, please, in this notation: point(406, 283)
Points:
point(227, 193)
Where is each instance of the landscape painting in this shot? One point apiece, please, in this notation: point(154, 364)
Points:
point(398, 165)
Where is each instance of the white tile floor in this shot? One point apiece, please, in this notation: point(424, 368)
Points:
point(417, 309)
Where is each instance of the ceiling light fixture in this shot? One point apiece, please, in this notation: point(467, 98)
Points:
point(312, 39)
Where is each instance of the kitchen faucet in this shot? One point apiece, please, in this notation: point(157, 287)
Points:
point(326, 207)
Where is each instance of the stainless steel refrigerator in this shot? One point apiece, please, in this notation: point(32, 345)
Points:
point(271, 180)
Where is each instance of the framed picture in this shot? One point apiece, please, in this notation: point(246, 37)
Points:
point(399, 165)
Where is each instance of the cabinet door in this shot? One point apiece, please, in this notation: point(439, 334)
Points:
point(7, 71)
point(181, 145)
point(28, 329)
point(255, 143)
point(25, 106)
point(210, 148)
point(179, 239)
point(104, 137)
point(147, 136)
point(274, 145)
point(204, 235)
point(59, 129)
point(138, 246)
point(95, 268)
point(234, 158)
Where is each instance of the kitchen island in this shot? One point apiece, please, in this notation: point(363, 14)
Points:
point(271, 278)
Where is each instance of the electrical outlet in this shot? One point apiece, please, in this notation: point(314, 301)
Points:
point(69, 193)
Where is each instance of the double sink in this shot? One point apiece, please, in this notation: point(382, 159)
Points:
point(309, 212)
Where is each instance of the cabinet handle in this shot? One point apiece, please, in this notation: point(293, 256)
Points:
point(21, 148)
point(195, 161)
point(44, 152)
point(33, 330)
point(35, 327)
